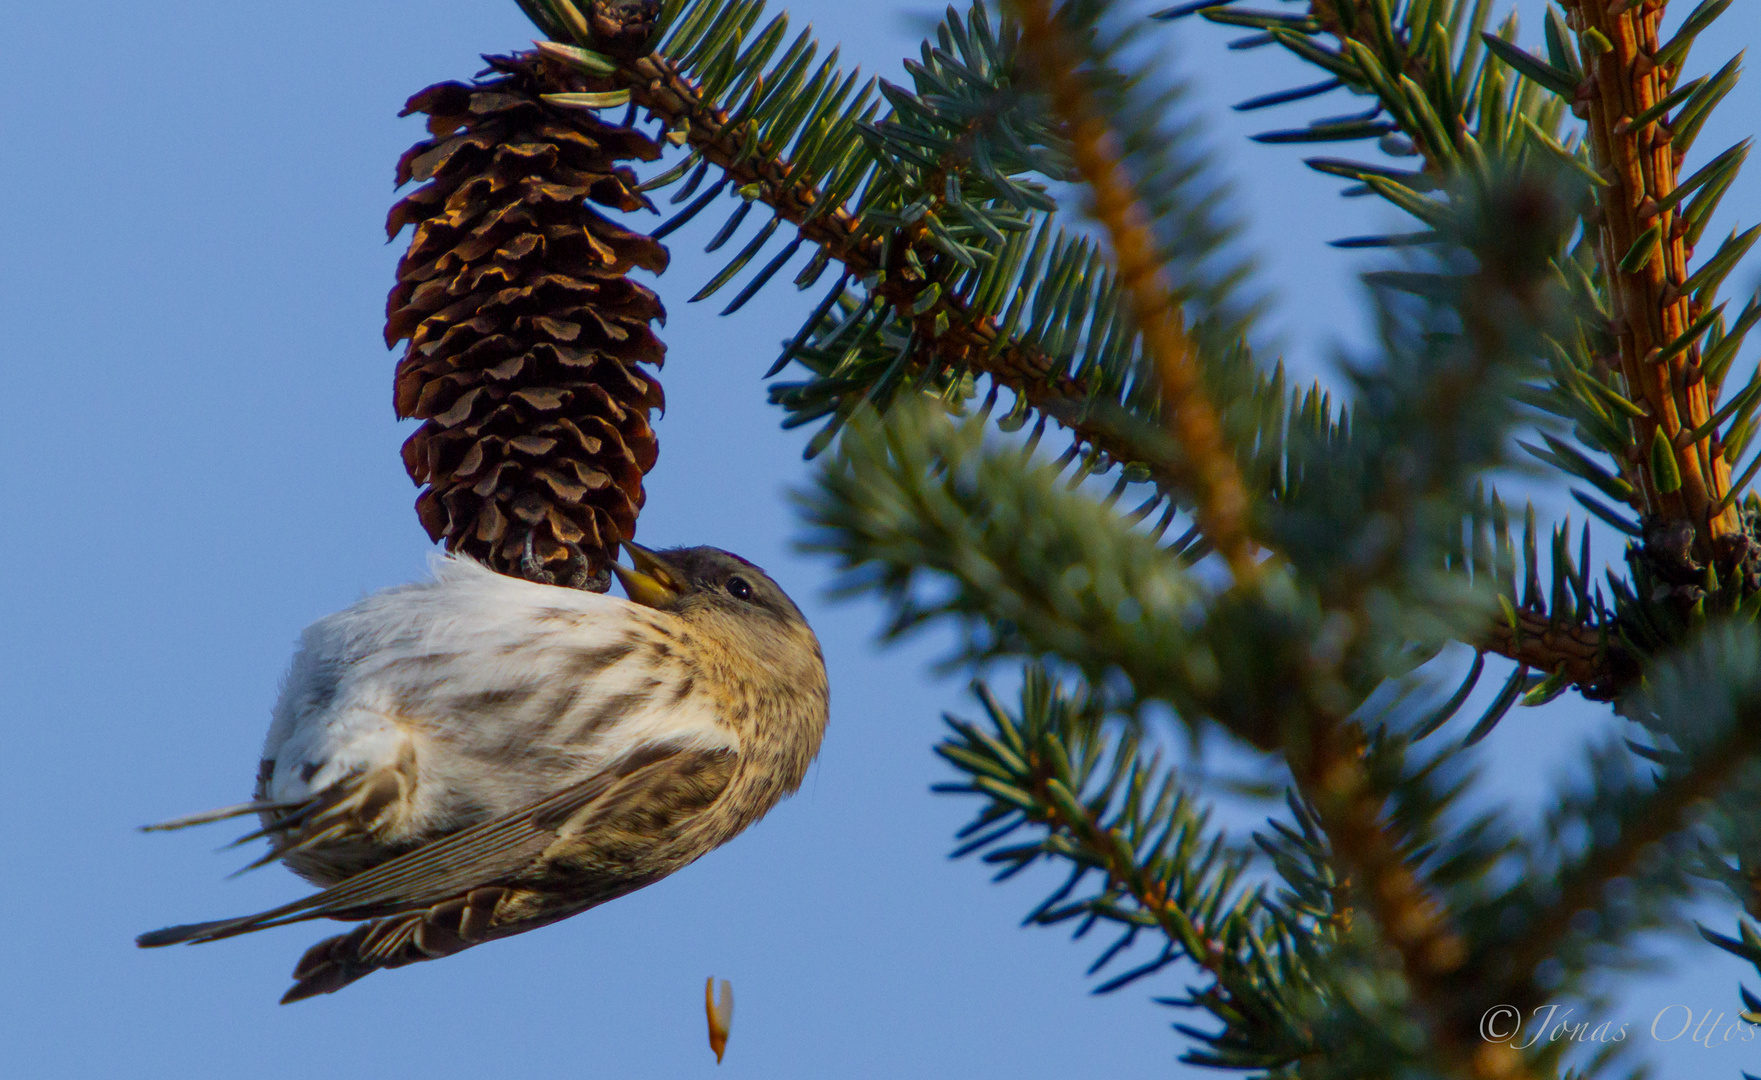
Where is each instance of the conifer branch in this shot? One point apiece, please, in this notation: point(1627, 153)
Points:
point(1648, 821)
point(1096, 802)
point(1061, 800)
point(1702, 709)
point(1459, 98)
point(1505, 305)
point(1643, 254)
point(1330, 774)
point(948, 334)
point(1599, 667)
point(1221, 499)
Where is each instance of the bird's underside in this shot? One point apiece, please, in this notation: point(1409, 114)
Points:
point(608, 835)
point(476, 756)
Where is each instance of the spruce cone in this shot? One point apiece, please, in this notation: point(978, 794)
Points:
point(524, 328)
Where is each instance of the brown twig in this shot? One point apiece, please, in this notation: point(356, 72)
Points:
point(1220, 496)
point(1599, 667)
point(1649, 309)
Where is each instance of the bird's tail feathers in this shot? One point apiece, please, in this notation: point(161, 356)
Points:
point(207, 817)
point(395, 941)
point(196, 933)
point(290, 816)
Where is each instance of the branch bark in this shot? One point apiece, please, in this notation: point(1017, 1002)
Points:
point(1650, 311)
point(1601, 668)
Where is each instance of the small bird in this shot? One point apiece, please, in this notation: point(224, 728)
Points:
point(475, 756)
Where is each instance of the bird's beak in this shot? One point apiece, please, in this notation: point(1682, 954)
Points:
point(650, 584)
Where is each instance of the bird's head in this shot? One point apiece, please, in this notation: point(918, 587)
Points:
point(705, 582)
point(749, 647)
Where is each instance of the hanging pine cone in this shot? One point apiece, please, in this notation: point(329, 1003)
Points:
point(525, 331)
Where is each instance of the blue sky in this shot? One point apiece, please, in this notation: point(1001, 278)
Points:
point(203, 459)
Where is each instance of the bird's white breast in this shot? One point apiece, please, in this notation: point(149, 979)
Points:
point(501, 690)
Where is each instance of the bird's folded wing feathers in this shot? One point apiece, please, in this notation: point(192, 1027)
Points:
point(483, 853)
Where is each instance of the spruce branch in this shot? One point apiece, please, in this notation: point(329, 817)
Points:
point(1455, 389)
point(1143, 859)
point(1220, 498)
point(941, 331)
point(1107, 810)
point(1326, 757)
point(1645, 821)
point(1462, 99)
point(1582, 652)
point(1455, 110)
point(1655, 834)
point(736, 131)
point(1643, 251)
point(1036, 568)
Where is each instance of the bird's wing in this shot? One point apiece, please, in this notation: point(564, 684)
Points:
point(678, 781)
point(600, 849)
point(616, 835)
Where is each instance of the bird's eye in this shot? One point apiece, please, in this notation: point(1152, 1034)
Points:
point(740, 588)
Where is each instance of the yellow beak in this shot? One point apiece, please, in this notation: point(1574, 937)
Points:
point(650, 584)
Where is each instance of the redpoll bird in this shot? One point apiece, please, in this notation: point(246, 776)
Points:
point(477, 756)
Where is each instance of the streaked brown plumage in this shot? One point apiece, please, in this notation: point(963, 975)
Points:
point(480, 756)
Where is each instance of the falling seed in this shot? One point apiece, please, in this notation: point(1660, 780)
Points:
point(721, 1016)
